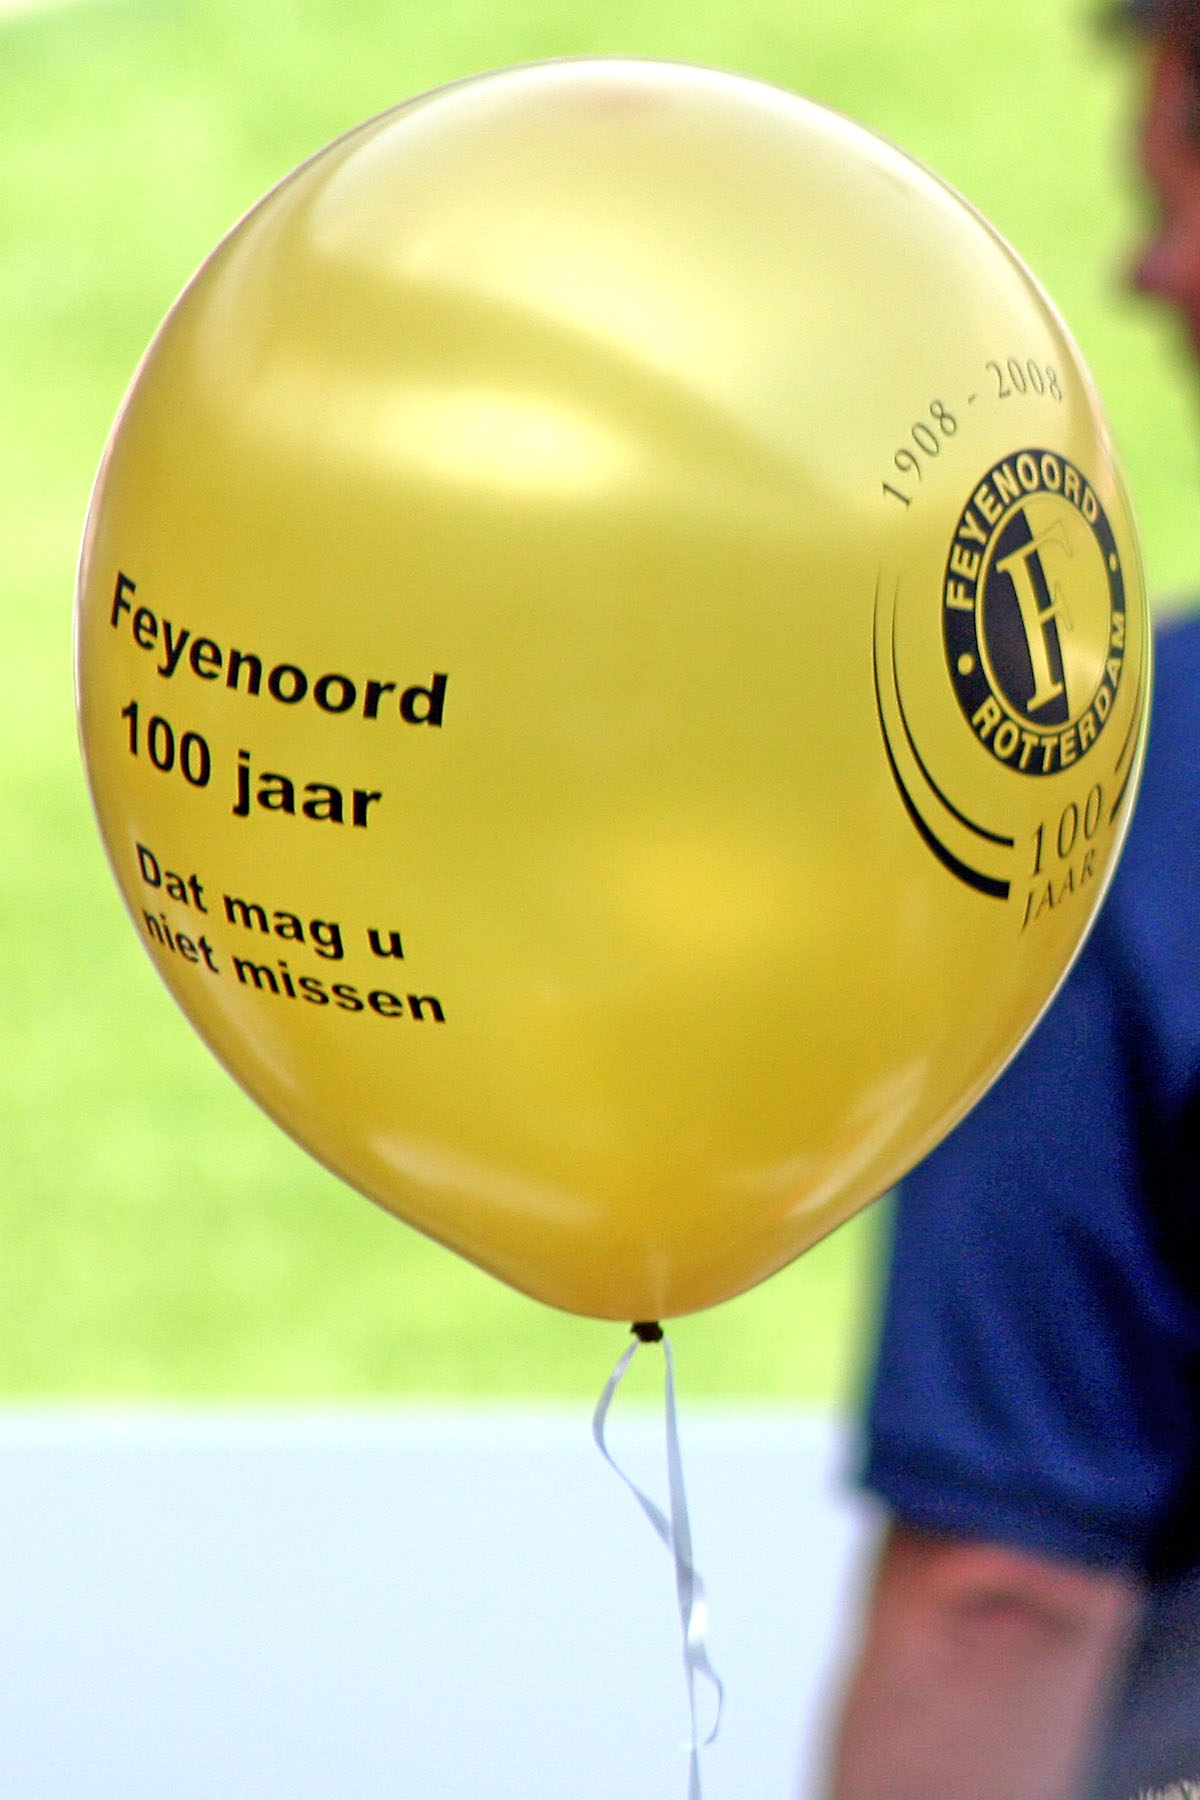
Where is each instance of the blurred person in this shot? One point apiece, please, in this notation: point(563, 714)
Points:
point(1033, 1623)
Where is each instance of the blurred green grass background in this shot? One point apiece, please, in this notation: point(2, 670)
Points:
point(158, 1238)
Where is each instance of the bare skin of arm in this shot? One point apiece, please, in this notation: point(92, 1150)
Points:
point(983, 1673)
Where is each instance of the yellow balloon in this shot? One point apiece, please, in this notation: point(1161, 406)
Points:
point(612, 664)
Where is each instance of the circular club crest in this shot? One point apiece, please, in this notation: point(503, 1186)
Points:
point(1034, 613)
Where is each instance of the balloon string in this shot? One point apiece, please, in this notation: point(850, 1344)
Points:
point(676, 1535)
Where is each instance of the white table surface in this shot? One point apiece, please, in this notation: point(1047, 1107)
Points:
point(455, 1605)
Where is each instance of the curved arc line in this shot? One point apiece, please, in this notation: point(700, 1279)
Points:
point(974, 878)
point(1138, 727)
point(1121, 791)
point(993, 837)
point(1131, 736)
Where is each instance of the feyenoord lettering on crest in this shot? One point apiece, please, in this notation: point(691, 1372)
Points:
point(1032, 602)
point(1034, 613)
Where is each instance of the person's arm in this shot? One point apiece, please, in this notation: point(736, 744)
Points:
point(982, 1675)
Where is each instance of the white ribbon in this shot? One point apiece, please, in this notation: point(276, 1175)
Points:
point(675, 1533)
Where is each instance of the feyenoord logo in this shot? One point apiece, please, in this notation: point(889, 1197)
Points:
point(1034, 613)
point(1032, 604)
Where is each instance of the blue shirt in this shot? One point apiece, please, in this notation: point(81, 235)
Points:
point(1038, 1376)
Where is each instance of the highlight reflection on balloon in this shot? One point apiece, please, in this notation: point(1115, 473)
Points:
point(612, 662)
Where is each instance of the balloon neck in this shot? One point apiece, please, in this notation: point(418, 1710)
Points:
point(647, 1331)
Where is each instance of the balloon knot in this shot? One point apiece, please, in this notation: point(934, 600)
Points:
point(647, 1331)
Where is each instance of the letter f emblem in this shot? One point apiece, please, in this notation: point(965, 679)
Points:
point(1040, 609)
